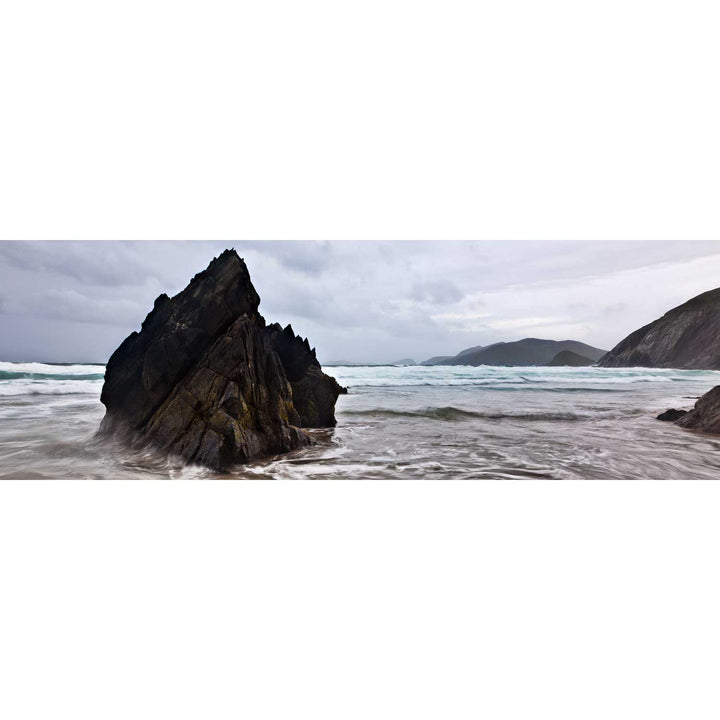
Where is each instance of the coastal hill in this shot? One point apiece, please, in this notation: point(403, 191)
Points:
point(470, 351)
point(205, 378)
point(567, 358)
point(686, 337)
point(436, 360)
point(530, 351)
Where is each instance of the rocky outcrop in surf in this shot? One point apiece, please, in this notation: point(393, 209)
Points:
point(207, 380)
point(705, 416)
point(671, 415)
point(686, 337)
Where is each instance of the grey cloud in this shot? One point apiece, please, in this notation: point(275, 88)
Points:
point(373, 301)
point(71, 305)
point(615, 308)
point(440, 292)
point(109, 264)
point(311, 258)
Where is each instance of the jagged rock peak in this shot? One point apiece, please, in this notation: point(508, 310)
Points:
point(206, 379)
point(314, 393)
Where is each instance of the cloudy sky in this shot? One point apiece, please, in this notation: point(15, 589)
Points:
point(356, 301)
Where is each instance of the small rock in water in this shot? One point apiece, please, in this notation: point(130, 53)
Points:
point(705, 416)
point(671, 415)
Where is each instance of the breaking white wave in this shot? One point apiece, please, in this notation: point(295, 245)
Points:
point(33, 378)
point(51, 369)
point(26, 386)
point(491, 376)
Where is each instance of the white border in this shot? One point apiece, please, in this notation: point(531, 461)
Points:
point(376, 120)
point(389, 120)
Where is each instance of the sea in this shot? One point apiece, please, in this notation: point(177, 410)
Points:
point(396, 423)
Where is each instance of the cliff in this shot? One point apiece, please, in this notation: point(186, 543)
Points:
point(687, 336)
point(207, 380)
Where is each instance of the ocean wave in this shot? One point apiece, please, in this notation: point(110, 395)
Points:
point(502, 378)
point(451, 413)
point(7, 375)
point(49, 386)
point(29, 370)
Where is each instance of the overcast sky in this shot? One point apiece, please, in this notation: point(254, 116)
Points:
point(355, 301)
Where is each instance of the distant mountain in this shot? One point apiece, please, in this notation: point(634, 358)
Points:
point(406, 361)
point(437, 360)
point(567, 358)
point(530, 351)
point(687, 336)
point(470, 351)
point(441, 359)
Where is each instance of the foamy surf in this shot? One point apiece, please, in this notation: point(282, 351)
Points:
point(395, 423)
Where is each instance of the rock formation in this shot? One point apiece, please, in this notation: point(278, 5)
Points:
point(687, 336)
point(671, 415)
point(206, 379)
point(705, 416)
point(314, 393)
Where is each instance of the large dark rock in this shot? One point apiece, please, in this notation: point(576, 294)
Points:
point(687, 336)
point(207, 380)
point(705, 416)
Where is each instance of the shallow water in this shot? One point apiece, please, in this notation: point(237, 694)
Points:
point(397, 422)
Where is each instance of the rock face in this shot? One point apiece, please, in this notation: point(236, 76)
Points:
point(705, 416)
point(687, 336)
point(206, 379)
point(567, 358)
